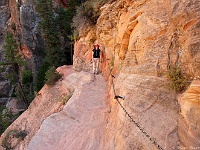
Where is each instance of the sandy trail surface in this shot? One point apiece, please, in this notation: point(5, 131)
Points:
point(82, 123)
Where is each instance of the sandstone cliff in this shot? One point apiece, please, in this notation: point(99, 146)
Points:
point(140, 39)
point(189, 131)
point(24, 19)
point(50, 124)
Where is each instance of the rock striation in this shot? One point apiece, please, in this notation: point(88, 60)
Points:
point(50, 124)
point(149, 104)
point(81, 124)
point(140, 40)
point(189, 125)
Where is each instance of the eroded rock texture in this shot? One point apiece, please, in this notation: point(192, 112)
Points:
point(27, 32)
point(81, 124)
point(140, 40)
point(189, 126)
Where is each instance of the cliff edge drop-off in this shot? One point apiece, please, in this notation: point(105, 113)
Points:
point(139, 39)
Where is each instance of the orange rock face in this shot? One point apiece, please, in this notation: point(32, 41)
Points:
point(140, 40)
point(146, 37)
point(189, 126)
point(26, 52)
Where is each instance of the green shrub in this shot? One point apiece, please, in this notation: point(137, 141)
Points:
point(52, 76)
point(176, 79)
point(27, 76)
point(39, 50)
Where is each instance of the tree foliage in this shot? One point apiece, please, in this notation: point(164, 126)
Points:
point(12, 57)
point(11, 51)
point(55, 25)
point(50, 31)
point(14, 60)
point(27, 76)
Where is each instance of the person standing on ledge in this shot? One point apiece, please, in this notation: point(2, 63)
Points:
point(96, 55)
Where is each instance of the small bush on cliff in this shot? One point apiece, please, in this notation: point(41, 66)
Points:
point(87, 14)
point(10, 135)
point(176, 79)
point(52, 76)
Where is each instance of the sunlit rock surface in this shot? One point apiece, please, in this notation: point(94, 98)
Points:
point(139, 39)
point(189, 126)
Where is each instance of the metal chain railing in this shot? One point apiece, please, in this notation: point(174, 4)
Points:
point(137, 124)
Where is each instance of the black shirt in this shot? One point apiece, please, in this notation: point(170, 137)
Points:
point(96, 53)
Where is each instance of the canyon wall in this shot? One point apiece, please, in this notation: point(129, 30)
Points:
point(4, 16)
point(19, 18)
point(189, 125)
point(24, 25)
point(140, 40)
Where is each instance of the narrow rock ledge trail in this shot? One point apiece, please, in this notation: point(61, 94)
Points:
point(81, 124)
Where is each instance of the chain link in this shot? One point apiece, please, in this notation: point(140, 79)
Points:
point(137, 124)
point(141, 129)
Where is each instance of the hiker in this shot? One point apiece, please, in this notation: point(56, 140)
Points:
point(96, 55)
